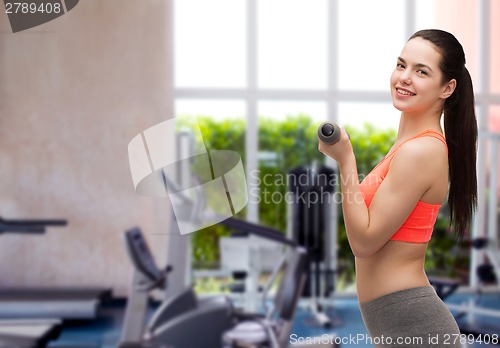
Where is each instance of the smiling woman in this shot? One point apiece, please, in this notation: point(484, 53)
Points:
point(388, 232)
point(415, 84)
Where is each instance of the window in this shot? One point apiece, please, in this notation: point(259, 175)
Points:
point(210, 48)
point(368, 46)
point(292, 44)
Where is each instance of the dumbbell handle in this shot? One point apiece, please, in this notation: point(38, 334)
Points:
point(329, 133)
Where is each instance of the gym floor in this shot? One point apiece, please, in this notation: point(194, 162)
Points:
point(348, 325)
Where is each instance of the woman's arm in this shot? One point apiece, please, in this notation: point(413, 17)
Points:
point(411, 174)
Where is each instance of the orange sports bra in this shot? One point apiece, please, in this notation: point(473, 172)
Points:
point(419, 225)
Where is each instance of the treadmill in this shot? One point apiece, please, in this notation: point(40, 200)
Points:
point(28, 333)
point(62, 303)
point(29, 317)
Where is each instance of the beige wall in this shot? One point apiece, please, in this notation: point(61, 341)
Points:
point(73, 93)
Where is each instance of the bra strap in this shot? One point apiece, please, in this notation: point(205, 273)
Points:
point(437, 136)
point(426, 133)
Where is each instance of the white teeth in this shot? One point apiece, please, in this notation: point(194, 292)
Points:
point(402, 91)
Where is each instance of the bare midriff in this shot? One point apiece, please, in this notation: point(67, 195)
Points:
point(396, 266)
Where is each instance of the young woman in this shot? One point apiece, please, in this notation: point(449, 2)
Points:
point(389, 217)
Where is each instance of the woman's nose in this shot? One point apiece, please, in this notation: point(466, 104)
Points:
point(405, 77)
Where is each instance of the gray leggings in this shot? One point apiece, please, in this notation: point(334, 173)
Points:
point(410, 318)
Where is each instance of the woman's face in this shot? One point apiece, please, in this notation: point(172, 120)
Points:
point(416, 82)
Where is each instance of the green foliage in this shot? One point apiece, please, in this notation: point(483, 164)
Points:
point(283, 145)
point(228, 134)
point(370, 145)
point(293, 143)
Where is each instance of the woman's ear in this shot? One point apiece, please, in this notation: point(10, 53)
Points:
point(449, 88)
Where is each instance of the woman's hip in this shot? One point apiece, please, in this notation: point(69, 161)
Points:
point(414, 317)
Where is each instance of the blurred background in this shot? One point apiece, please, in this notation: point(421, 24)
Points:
point(257, 76)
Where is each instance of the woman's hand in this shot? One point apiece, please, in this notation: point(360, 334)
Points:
point(341, 151)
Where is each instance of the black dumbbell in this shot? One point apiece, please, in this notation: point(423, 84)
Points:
point(329, 133)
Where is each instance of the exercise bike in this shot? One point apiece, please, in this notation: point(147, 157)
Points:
point(180, 321)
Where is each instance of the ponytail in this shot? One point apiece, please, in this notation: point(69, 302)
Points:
point(460, 128)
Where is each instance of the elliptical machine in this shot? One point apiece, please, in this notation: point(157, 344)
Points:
point(181, 321)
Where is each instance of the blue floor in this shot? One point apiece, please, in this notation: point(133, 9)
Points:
point(348, 325)
point(101, 333)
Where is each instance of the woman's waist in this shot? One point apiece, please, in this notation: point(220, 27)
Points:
point(395, 297)
point(373, 281)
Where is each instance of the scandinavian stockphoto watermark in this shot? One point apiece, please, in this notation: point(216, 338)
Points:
point(306, 188)
point(26, 14)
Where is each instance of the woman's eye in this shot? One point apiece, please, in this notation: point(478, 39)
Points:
point(400, 66)
point(421, 72)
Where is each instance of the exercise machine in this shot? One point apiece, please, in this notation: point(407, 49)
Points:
point(39, 303)
point(468, 312)
point(312, 223)
point(22, 333)
point(246, 258)
point(31, 317)
point(180, 321)
point(273, 330)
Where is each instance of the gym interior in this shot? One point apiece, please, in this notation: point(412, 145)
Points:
point(111, 112)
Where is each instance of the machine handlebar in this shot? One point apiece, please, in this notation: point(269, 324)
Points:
point(28, 226)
